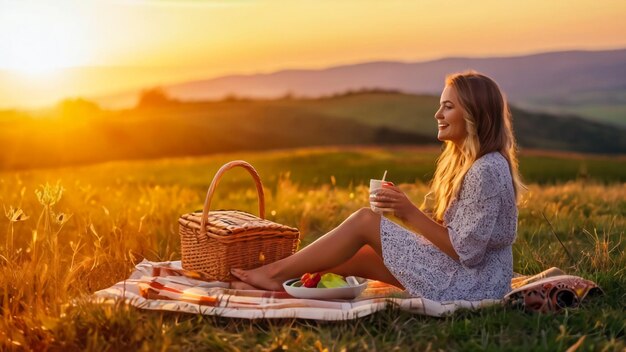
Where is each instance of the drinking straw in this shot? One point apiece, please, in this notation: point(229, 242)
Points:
point(384, 175)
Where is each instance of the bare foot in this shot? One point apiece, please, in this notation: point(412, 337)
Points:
point(240, 285)
point(257, 278)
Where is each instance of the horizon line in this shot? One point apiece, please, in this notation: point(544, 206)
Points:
point(174, 82)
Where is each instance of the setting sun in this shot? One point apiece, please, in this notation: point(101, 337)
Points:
point(39, 39)
point(34, 58)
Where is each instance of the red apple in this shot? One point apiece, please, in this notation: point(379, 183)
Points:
point(310, 279)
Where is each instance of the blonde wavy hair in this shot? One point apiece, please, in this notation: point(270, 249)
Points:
point(489, 128)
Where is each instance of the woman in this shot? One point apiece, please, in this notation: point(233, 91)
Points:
point(462, 250)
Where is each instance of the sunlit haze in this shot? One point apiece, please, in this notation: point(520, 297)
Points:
point(130, 44)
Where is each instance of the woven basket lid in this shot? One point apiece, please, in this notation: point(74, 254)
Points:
point(234, 223)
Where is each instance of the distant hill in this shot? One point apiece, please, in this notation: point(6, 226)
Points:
point(200, 128)
point(586, 83)
point(415, 114)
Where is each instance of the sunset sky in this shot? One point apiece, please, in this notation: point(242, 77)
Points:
point(149, 42)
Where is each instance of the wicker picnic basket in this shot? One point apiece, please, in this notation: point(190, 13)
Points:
point(214, 242)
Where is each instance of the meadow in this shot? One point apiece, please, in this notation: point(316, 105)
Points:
point(70, 231)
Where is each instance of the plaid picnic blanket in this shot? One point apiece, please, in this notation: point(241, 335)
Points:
point(166, 286)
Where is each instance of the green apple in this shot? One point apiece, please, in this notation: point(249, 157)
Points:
point(330, 280)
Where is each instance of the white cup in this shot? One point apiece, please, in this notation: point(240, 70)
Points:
point(375, 185)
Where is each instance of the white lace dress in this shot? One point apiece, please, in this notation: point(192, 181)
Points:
point(482, 224)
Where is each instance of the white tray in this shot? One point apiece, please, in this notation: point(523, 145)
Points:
point(347, 292)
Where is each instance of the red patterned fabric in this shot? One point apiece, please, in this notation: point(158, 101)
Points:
point(552, 294)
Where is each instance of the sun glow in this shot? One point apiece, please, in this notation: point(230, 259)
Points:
point(36, 57)
point(38, 40)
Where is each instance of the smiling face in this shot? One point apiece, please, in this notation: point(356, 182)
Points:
point(450, 121)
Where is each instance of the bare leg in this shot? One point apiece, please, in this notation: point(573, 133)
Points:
point(368, 264)
point(334, 248)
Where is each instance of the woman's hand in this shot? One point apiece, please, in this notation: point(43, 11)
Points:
point(391, 198)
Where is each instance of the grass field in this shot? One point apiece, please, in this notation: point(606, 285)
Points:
point(71, 231)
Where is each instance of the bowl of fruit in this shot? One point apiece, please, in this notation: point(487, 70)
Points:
point(325, 286)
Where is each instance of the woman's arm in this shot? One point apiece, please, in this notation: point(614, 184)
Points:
point(391, 197)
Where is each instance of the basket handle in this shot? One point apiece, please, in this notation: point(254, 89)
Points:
point(216, 181)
